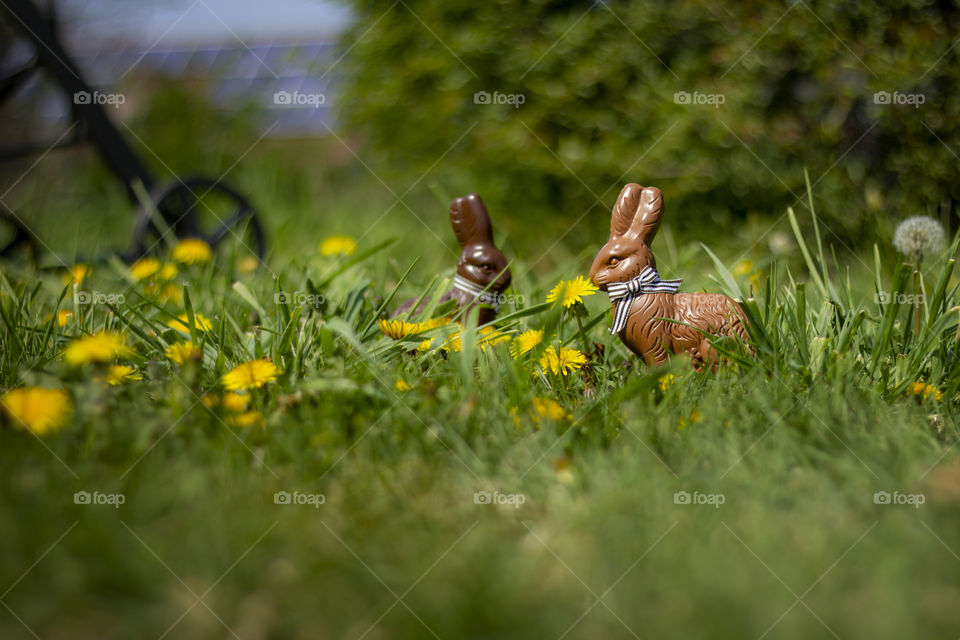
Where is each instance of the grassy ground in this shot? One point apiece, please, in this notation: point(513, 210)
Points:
point(781, 453)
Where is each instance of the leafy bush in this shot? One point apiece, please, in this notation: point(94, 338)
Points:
point(600, 86)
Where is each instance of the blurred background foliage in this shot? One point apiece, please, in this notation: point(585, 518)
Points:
point(599, 82)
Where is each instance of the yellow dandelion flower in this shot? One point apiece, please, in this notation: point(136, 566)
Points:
point(539, 408)
point(490, 336)
point(192, 251)
point(77, 274)
point(232, 402)
point(561, 362)
point(338, 245)
point(63, 317)
point(665, 381)
point(164, 292)
point(745, 268)
point(525, 342)
point(235, 402)
point(182, 323)
point(168, 271)
point(37, 409)
point(453, 343)
point(570, 292)
point(99, 347)
point(183, 352)
point(250, 375)
point(563, 469)
point(398, 329)
point(695, 417)
point(119, 373)
point(144, 268)
point(924, 390)
point(401, 386)
point(171, 293)
point(248, 264)
point(247, 419)
point(547, 408)
point(433, 323)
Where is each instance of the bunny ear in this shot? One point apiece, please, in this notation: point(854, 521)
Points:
point(624, 210)
point(646, 220)
point(470, 220)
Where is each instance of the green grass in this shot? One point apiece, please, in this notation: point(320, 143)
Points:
point(796, 437)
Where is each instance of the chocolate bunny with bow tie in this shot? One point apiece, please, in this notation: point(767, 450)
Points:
point(482, 274)
point(651, 318)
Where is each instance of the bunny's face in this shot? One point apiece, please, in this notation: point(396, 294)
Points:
point(484, 264)
point(480, 261)
point(618, 261)
point(635, 220)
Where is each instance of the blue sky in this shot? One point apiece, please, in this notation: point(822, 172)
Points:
point(173, 22)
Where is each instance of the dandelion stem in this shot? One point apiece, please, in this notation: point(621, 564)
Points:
point(583, 334)
point(916, 299)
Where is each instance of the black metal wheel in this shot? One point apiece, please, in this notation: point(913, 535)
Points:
point(195, 208)
point(15, 235)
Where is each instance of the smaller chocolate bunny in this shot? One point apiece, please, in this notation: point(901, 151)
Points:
point(481, 265)
point(626, 270)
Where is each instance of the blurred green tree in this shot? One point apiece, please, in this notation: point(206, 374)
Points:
point(721, 104)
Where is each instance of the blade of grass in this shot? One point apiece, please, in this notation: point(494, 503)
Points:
point(353, 260)
point(191, 317)
point(732, 287)
point(890, 315)
point(811, 267)
point(386, 301)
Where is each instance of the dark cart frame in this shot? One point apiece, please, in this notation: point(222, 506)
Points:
point(175, 202)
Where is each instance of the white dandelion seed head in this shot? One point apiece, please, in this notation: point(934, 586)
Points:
point(780, 243)
point(919, 235)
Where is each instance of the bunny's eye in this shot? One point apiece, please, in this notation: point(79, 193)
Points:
point(486, 268)
point(614, 261)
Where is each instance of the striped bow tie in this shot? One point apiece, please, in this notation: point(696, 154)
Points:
point(473, 289)
point(623, 293)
